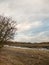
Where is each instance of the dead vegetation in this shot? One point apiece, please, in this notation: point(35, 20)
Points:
point(17, 56)
point(28, 45)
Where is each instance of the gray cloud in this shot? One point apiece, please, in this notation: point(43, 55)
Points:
point(26, 8)
point(25, 11)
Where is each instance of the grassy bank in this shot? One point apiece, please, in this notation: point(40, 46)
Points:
point(12, 56)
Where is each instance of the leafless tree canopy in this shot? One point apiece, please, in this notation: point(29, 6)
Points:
point(7, 28)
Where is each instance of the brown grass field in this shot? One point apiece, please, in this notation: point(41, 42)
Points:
point(17, 56)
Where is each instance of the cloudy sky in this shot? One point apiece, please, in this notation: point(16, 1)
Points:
point(32, 18)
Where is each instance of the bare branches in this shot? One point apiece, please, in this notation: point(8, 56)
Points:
point(7, 28)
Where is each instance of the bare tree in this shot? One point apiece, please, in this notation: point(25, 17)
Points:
point(7, 29)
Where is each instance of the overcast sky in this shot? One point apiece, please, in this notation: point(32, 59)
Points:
point(32, 18)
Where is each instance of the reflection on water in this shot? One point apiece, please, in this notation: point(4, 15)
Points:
point(26, 48)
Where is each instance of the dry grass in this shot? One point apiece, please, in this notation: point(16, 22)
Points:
point(11, 56)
